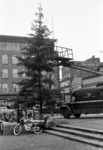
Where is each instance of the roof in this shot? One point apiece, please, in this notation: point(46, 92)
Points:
point(89, 88)
point(21, 39)
point(13, 38)
point(89, 77)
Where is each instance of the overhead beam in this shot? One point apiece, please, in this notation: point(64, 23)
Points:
point(74, 66)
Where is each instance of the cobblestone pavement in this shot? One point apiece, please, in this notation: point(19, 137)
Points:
point(42, 141)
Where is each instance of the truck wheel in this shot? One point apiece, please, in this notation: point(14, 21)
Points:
point(77, 115)
point(66, 113)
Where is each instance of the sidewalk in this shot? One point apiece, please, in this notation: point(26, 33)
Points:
point(89, 121)
point(94, 124)
point(43, 141)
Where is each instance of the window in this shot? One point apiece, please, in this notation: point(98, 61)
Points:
point(15, 73)
point(11, 46)
point(3, 45)
point(15, 88)
point(20, 45)
point(5, 88)
point(4, 59)
point(4, 73)
point(24, 75)
point(52, 87)
point(14, 60)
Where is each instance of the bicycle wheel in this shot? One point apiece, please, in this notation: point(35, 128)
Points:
point(17, 129)
point(54, 123)
point(38, 131)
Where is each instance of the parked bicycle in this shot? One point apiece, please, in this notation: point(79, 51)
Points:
point(50, 121)
point(29, 125)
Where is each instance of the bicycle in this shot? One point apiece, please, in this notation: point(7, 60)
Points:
point(50, 122)
point(29, 125)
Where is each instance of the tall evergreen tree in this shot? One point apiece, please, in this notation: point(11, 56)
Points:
point(35, 61)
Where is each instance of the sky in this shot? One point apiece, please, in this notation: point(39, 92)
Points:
point(77, 24)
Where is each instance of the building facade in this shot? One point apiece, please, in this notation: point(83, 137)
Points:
point(73, 78)
point(94, 80)
point(10, 48)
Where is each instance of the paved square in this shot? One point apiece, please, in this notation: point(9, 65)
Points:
point(42, 141)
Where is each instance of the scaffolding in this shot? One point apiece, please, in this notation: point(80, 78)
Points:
point(62, 56)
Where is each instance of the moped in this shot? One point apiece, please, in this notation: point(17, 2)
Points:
point(29, 125)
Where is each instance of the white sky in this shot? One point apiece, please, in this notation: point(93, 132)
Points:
point(78, 24)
